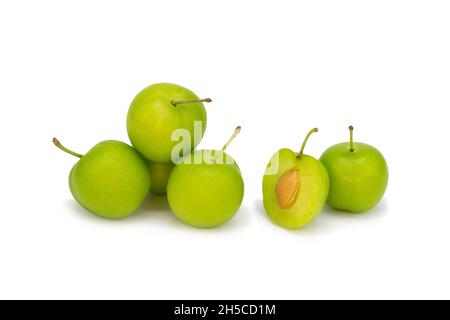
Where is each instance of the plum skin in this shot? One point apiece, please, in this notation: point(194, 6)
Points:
point(358, 179)
point(205, 195)
point(111, 180)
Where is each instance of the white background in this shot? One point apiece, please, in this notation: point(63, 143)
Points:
point(278, 68)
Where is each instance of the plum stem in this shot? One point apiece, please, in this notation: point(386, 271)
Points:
point(175, 103)
point(352, 145)
point(235, 134)
point(60, 146)
point(300, 154)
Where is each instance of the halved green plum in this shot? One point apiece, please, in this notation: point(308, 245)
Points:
point(295, 188)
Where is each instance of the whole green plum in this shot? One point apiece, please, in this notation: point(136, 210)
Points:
point(358, 175)
point(156, 112)
point(159, 174)
point(206, 189)
point(111, 180)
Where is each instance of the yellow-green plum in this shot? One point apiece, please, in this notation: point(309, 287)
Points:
point(159, 175)
point(358, 175)
point(111, 180)
point(295, 187)
point(156, 112)
point(206, 188)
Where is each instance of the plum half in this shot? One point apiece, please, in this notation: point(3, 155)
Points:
point(295, 187)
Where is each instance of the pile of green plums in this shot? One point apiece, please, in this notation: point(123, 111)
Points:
point(349, 176)
point(204, 188)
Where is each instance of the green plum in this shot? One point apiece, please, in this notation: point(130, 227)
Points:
point(358, 175)
point(156, 112)
point(206, 188)
point(295, 187)
point(159, 174)
point(111, 180)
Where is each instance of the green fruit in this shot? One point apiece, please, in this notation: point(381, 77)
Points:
point(159, 175)
point(111, 180)
point(358, 176)
point(155, 114)
point(295, 187)
point(206, 189)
